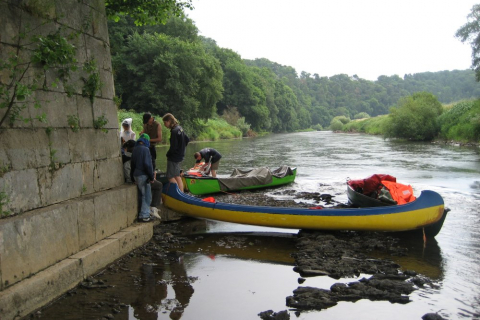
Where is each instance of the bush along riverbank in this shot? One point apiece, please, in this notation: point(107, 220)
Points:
point(420, 117)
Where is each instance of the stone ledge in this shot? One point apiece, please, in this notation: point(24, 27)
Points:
point(30, 294)
point(38, 239)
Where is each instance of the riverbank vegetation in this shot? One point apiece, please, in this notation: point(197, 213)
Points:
point(166, 66)
point(421, 117)
point(171, 68)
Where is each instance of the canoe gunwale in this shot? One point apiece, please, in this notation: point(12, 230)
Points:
point(426, 199)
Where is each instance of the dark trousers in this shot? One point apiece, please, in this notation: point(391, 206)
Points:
point(153, 154)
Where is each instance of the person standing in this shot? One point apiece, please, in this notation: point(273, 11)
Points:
point(176, 153)
point(141, 172)
point(154, 130)
point(127, 133)
point(211, 157)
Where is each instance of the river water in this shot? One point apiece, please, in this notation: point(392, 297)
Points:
point(235, 272)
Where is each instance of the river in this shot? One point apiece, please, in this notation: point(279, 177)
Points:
point(235, 271)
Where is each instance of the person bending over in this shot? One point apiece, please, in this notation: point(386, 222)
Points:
point(212, 157)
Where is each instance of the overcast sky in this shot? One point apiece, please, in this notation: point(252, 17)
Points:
point(368, 38)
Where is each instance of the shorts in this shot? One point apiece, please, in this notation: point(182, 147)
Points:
point(215, 165)
point(173, 169)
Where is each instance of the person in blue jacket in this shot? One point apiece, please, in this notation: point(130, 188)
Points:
point(142, 175)
point(176, 153)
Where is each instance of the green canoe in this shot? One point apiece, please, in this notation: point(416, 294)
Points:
point(240, 180)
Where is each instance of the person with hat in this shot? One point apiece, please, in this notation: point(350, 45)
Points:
point(154, 129)
point(127, 133)
point(141, 172)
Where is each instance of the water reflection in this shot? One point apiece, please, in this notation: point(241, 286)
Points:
point(235, 273)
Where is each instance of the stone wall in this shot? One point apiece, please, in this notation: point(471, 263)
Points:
point(62, 190)
point(47, 163)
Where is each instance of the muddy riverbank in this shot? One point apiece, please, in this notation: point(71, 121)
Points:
point(137, 286)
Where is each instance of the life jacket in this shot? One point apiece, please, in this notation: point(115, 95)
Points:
point(400, 192)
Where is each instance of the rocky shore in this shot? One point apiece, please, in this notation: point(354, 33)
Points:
point(326, 254)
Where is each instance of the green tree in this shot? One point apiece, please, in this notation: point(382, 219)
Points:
point(415, 118)
point(471, 32)
point(159, 73)
point(144, 12)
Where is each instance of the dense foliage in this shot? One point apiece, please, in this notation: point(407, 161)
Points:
point(470, 32)
point(461, 122)
point(415, 118)
point(143, 12)
point(170, 68)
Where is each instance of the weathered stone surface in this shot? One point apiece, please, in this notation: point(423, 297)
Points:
point(108, 144)
point(37, 239)
point(61, 184)
point(56, 106)
point(108, 174)
point(107, 89)
point(10, 17)
point(81, 144)
point(22, 190)
point(59, 140)
point(110, 216)
point(98, 255)
point(20, 146)
point(21, 299)
point(86, 222)
point(99, 23)
point(133, 237)
point(59, 211)
point(87, 177)
point(73, 18)
point(108, 109)
point(131, 203)
point(85, 112)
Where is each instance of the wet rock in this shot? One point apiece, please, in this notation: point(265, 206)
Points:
point(384, 289)
point(432, 316)
point(301, 280)
point(270, 315)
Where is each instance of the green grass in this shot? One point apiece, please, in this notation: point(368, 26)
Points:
point(373, 125)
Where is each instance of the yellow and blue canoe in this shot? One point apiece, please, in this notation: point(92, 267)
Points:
point(426, 212)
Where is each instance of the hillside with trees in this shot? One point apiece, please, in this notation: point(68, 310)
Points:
point(170, 68)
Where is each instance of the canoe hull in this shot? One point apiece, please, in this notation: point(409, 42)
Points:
point(426, 211)
point(206, 185)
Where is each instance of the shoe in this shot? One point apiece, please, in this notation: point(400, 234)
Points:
point(148, 219)
point(154, 213)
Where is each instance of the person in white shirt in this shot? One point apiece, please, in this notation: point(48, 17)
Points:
point(127, 132)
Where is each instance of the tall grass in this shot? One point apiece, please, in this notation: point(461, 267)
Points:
point(461, 122)
point(217, 129)
point(375, 125)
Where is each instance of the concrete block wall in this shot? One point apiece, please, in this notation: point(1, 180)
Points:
point(47, 163)
point(65, 209)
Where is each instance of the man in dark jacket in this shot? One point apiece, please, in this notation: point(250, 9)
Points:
point(212, 158)
point(141, 173)
point(176, 153)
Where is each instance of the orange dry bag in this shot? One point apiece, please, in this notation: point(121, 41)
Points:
point(400, 192)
